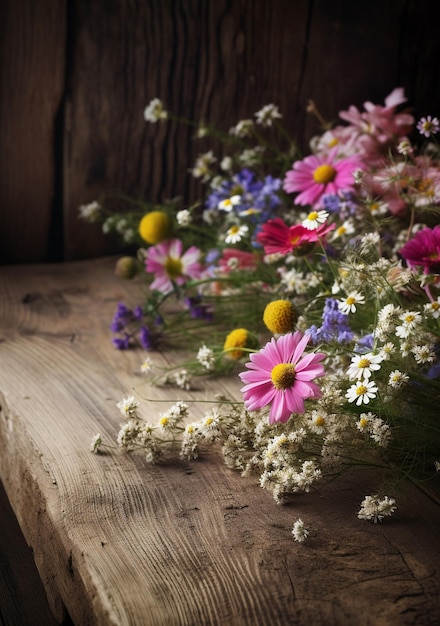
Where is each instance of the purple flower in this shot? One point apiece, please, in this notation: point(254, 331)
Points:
point(122, 343)
point(335, 326)
point(146, 338)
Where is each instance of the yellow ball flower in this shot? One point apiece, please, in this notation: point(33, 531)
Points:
point(280, 317)
point(239, 338)
point(155, 227)
point(126, 267)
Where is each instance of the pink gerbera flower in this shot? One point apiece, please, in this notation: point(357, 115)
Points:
point(276, 237)
point(316, 175)
point(281, 376)
point(424, 249)
point(170, 266)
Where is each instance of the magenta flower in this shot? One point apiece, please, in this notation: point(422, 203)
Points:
point(317, 175)
point(424, 249)
point(170, 266)
point(280, 375)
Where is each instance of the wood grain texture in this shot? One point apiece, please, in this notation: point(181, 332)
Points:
point(118, 541)
point(32, 59)
point(221, 61)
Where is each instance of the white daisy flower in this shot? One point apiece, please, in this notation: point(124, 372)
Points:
point(363, 365)
point(433, 308)
point(362, 392)
point(128, 406)
point(397, 378)
point(147, 366)
point(228, 203)
point(314, 219)
point(349, 304)
point(236, 233)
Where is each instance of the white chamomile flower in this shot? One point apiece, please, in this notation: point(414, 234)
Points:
point(387, 350)
point(183, 217)
point(242, 129)
point(267, 114)
point(96, 443)
point(374, 508)
point(202, 167)
point(318, 421)
point(397, 378)
point(155, 111)
point(369, 242)
point(377, 208)
point(90, 212)
point(346, 228)
point(362, 392)
point(423, 354)
point(363, 365)
point(147, 366)
point(299, 531)
point(236, 233)
point(229, 203)
point(226, 163)
point(205, 357)
point(433, 308)
point(314, 219)
point(128, 406)
point(410, 321)
point(349, 304)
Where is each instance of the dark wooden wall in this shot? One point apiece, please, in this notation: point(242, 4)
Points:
point(75, 76)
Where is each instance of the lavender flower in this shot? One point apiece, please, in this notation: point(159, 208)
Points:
point(335, 325)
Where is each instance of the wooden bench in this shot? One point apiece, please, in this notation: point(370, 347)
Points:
point(118, 541)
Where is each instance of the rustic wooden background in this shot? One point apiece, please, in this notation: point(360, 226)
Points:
point(75, 76)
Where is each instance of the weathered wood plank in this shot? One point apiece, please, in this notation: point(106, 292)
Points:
point(119, 542)
point(22, 596)
point(32, 62)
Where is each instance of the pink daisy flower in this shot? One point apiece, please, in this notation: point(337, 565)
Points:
point(276, 237)
point(170, 266)
point(424, 249)
point(281, 376)
point(317, 175)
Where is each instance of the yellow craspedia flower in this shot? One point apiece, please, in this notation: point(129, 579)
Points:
point(155, 227)
point(280, 317)
point(239, 338)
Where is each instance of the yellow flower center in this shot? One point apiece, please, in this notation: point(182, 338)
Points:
point(173, 267)
point(155, 227)
point(319, 421)
point(361, 390)
point(283, 375)
point(280, 317)
point(409, 318)
point(350, 300)
point(324, 174)
point(234, 230)
point(364, 363)
point(333, 142)
point(312, 216)
point(363, 422)
point(164, 421)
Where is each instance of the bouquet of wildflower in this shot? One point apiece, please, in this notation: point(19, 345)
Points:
point(320, 276)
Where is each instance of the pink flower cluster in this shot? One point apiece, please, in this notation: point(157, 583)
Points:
point(364, 144)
